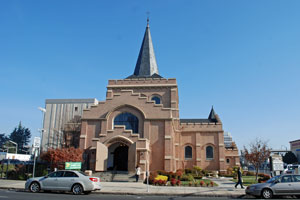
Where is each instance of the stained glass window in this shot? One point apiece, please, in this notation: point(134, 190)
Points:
point(156, 99)
point(130, 121)
point(188, 153)
point(209, 152)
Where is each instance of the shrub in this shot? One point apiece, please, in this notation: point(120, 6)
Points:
point(161, 182)
point(211, 183)
point(197, 170)
point(250, 173)
point(173, 181)
point(162, 172)
point(179, 173)
point(263, 177)
point(161, 177)
point(188, 171)
point(198, 177)
point(202, 183)
point(188, 177)
point(178, 182)
point(229, 171)
point(190, 183)
point(152, 177)
point(207, 184)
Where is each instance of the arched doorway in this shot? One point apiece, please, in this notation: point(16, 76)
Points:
point(121, 158)
point(118, 157)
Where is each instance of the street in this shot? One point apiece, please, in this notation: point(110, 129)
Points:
point(20, 195)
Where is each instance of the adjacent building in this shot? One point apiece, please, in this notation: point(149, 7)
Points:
point(60, 112)
point(295, 148)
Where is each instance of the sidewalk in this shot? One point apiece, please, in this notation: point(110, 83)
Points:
point(225, 189)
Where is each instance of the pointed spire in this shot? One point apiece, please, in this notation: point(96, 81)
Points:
point(146, 63)
point(212, 115)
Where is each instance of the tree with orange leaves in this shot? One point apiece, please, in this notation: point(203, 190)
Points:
point(58, 157)
point(257, 154)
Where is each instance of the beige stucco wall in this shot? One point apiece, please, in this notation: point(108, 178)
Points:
point(161, 139)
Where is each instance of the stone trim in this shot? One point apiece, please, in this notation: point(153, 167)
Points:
point(83, 136)
point(168, 157)
point(145, 85)
point(168, 137)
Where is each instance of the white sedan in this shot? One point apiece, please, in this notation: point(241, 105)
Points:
point(64, 180)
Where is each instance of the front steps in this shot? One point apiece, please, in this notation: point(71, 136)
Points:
point(116, 176)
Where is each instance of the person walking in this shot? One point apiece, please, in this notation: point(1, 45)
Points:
point(137, 173)
point(240, 182)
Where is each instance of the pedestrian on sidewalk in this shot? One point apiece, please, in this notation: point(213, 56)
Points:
point(240, 181)
point(137, 173)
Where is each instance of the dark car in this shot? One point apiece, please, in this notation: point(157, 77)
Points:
point(284, 185)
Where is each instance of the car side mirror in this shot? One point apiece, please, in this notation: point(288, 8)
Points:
point(276, 181)
point(45, 176)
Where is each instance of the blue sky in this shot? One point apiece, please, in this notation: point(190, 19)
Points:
point(240, 56)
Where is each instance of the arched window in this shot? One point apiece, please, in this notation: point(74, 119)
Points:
point(130, 121)
point(188, 152)
point(209, 153)
point(156, 99)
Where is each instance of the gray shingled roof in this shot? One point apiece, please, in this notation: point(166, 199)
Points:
point(146, 66)
point(212, 115)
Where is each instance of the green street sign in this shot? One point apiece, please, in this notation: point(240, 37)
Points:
point(73, 165)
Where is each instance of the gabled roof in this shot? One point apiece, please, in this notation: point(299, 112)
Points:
point(146, 66)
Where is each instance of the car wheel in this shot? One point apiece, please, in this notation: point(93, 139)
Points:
point(77, 189)
point(34, 187)
point(267, 194)
point(87, 192)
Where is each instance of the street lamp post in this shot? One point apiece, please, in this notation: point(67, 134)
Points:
point(43, 110)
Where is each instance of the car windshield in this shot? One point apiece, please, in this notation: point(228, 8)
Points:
point(273, 179)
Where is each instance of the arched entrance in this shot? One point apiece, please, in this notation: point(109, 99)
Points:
point(118, 157)
point(121, 158)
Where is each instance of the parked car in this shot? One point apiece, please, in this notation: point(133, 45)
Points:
point(291, 168)
point(64, 180)
point(285, 184)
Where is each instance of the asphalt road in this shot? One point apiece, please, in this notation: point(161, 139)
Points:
point(18, 195)
point(21, 195)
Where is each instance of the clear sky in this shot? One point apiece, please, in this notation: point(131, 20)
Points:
point(241, 56)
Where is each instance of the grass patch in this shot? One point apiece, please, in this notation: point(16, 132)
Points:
point(247, 180)
point(197, 183)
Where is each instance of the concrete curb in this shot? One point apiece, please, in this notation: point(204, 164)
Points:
point(173, 194)
point(148, 193)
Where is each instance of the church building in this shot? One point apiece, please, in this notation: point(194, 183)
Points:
point(139, 124)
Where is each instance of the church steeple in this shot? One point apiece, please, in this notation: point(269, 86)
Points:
point(146, 66)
